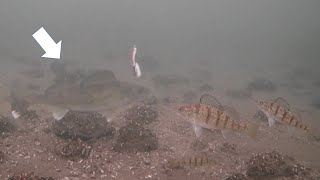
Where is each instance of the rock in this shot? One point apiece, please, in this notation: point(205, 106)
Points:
point(206, 88)
point(168, 100)
point(6, 125)
point(228, 147)
point(135, 138)
point(2, 157)
point(19, 105)
point(316, 102)
point(141, 114)
point(73, 150)
point(261, 84)
point(105, 77)
point(189, 97)
point(239, 94)
point(148, 63)
point(237, 176)
point(275, 165)
point(34, 73)
point(169, 80)
point(84, 125)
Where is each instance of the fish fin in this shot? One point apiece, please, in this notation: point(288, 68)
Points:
point(226, 133)
point(15, 114)
point(197, 130)
point(58, 114)
point(260, 116)
point(232, 112)
point(252, 129)
point(282, 102)
point(271, 121)
point(211, 101)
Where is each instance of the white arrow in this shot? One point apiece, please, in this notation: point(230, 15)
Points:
point(47, 43)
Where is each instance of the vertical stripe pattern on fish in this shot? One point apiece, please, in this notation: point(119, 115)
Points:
point(281, 114)
point(215, 118)
point(193, 161)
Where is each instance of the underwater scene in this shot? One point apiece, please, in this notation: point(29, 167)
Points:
point(160, 90)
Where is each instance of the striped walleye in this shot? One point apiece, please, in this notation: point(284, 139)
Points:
point(213, 116)
point(276, 111)
point(190, 161)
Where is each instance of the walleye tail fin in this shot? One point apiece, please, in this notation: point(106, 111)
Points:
point(252, 129)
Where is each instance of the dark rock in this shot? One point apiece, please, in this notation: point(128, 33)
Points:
point(84, 125)
point(229, 148)
point(30, 116)
point(34, 73)
point(200, 74)
point(70, 77)
point(34, 87)
point(169, 80)
point(316, 102)
point(58, 67)
point(6, 125)
point(189, 97)
point(273, 165)
point(237, 177)
point(148, 63)
point(74, 150)
point(2, 157)
point(317, 83)
point(261, 84)
point(135, 138)
point(18, 104)
point(198, 145)
point(141, 114)
point(150, 101)
point(206, 88)
point(168, 100)
point(105, 77)
point(239, 94)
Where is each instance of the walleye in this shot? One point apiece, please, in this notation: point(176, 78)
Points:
point(279, 110)
point(190, 161)
point(214, 117)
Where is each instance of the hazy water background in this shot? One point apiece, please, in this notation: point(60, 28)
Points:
point(234, 40)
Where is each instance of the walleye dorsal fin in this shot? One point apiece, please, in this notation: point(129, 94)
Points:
point(282, 102)
point(232, 112)
point(210, 100)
